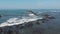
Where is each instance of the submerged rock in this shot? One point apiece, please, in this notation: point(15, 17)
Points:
point(0, 15)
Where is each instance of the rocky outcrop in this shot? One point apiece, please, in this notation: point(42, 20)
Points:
point(25, 28)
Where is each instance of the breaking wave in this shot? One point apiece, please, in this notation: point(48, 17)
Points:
point(31, 17)
point(16, 21)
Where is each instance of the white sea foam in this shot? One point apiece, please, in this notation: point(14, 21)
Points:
point(16, 21)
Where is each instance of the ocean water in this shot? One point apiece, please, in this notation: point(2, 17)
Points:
point(15, 17)
point(19, 16)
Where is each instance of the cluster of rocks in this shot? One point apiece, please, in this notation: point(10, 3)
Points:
point(26, 28)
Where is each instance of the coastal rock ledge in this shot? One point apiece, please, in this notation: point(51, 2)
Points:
point(32, 27)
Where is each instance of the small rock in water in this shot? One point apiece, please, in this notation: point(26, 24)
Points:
point(43, 21)
point(0, 16)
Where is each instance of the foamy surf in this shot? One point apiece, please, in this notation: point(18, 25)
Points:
point(16, 21)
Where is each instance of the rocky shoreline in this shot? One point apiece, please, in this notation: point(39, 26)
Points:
point(25, 28)
point(32, 27)
point(15, 28)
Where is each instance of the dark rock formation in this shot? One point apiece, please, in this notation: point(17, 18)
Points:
point(25, 26)
point(48, 16)
point(0, 15)
point(51, 17)
point(29, 24)
point(9, 32)
point(1, 30)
